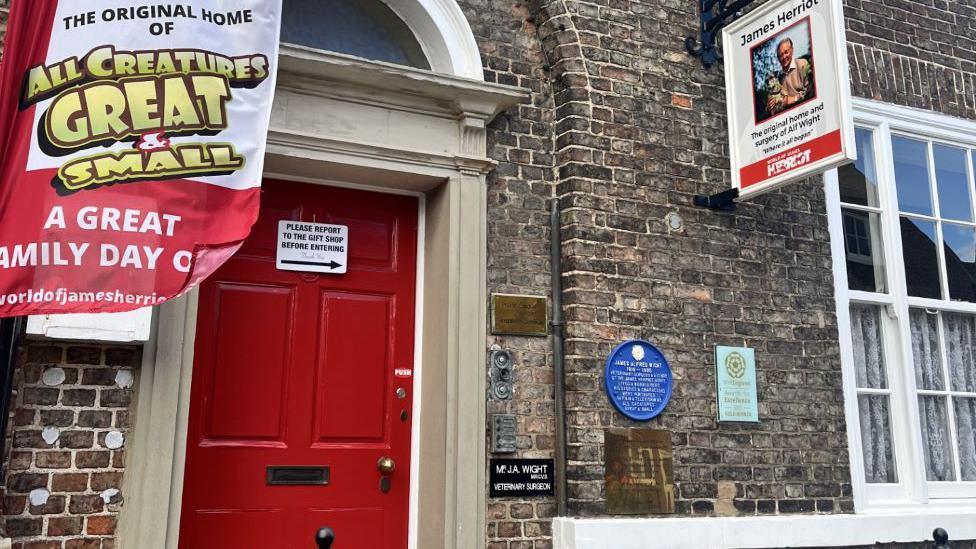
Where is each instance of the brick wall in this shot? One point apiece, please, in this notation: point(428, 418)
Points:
point(639, 128)
point(70, 421)
point(643, 131)
point(63, 469)
point(519, 194)
point(917, 54)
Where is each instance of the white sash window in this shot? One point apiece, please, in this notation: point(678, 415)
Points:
point(903, 236)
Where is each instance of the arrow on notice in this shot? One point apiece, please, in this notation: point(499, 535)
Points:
point(331, 264)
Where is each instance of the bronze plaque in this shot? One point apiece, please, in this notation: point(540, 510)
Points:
point(519, 315)
point(639, 473)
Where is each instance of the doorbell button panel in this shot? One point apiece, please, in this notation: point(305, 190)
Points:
point(501, 365)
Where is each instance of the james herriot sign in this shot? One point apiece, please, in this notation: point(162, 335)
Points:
point(132, 138)
point(788, 93)
point(521, 478)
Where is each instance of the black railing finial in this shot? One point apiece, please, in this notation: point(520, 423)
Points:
point(941, 538)
point(324, 537)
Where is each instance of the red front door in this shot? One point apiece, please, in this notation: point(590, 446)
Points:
point(302, 382)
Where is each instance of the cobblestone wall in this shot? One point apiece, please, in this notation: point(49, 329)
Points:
point(71, 416)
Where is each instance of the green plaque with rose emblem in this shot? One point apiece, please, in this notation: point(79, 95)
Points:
point(735, 377)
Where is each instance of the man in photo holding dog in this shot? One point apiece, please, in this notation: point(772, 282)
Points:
point(795, 80)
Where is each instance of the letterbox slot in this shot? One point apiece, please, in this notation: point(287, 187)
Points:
point(297, 475)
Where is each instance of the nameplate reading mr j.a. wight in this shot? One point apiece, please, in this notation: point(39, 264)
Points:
point(521, 478)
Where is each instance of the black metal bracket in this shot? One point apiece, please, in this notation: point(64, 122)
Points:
point(715, 14)
point(723, 201)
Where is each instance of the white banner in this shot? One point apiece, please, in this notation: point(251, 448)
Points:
point(134, 160)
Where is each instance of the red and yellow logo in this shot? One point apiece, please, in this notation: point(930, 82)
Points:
point(144, 97)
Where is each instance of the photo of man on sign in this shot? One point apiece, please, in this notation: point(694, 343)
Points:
point(782, 71)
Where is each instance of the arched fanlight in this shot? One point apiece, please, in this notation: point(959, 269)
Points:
point(365, 28)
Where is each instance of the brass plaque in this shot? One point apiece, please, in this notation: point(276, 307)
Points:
point(639, 471)
point(519, 315)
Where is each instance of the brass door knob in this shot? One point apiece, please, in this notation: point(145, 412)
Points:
point(386, 465)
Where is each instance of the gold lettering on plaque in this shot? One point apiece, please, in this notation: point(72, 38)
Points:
point(519, 315)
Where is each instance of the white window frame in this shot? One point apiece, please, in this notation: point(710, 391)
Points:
point(911, 490)
point(860, 222)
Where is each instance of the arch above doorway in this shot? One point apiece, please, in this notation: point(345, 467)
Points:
point(426, 34)
point(445, 35)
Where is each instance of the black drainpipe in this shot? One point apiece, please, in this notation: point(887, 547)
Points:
point(557, 357)
point(10, 330)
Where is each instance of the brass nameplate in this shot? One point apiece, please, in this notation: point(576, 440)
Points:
point(519, 315)
point(639, 471)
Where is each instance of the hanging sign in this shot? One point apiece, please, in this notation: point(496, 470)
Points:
point(788, 93)
point(735, 378)
point(312, 247)
point(132, 140)
point(638, 380)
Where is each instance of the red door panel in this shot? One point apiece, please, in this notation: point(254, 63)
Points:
point(241, 376)
point(297, 369)
point(353, 366)
point(251, 528)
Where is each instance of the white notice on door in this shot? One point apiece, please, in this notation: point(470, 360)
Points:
point(312, 247)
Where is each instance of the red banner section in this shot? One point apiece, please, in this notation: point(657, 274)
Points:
point(131, 162)
point(792, 159)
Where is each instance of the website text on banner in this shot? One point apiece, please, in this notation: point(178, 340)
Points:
point(788, 93)
point(132, 141)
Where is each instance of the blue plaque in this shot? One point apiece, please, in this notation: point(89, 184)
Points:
point(638, 380)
